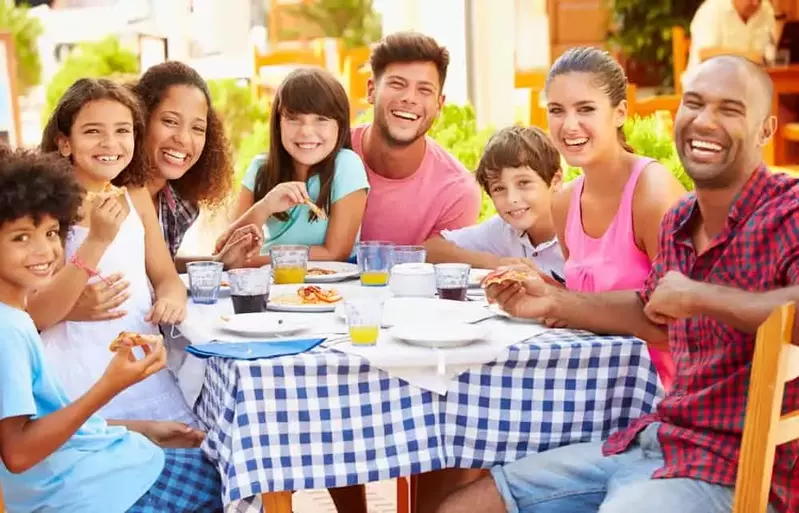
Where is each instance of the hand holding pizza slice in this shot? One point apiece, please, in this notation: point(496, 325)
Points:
point(522, 292)
point(137, 339)
point(510, 275)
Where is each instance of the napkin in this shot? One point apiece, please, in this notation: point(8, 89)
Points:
point(253, 350)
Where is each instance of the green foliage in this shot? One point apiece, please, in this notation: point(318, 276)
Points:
point(25, 30)
point(355, 22)
point(649, 138)
point(239, 108)
point(642, 31)
point(106, 58)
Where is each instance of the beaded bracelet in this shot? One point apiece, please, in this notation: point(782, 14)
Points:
point(80, 264)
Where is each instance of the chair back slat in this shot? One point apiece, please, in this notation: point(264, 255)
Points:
point(764, 428)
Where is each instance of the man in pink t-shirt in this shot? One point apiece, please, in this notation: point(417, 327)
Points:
point(417, 188)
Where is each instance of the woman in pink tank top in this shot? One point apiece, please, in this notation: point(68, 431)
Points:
point(607, 219)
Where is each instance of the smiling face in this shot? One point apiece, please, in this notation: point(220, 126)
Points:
point(407, 99)
point(521, 196)
point(582, 122)
point(29, 255)
point(100, 142)
point(308, 138)
point(176, 131)
point(722, 124)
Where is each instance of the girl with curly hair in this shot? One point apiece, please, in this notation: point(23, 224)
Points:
point(190, 163)
point(98, 125)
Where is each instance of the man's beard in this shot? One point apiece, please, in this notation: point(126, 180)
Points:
point(385, 132)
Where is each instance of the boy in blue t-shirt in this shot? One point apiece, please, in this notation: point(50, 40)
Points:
point(58, 456)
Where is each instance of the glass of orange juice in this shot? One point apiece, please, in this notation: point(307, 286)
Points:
point(364, 316)
point(374, 263)
point(289, 264)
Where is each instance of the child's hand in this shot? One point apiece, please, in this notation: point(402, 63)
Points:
point(167, 311)
point(240, 247)
point(105, 219)
point(174, 435)
point(99, 301)
point(125, 370)
point(285, 196)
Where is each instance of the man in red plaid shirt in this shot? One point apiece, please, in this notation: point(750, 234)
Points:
point(728, 255)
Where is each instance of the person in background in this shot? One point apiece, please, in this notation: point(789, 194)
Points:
point(310, 169)
point(743, 27)
point(519, 169)
point(418, 189)
point(729, 255)
point(57, 455)
point(607, 219)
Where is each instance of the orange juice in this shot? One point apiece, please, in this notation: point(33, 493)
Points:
point(364, 335)
point(374, 278)
point(288, 275)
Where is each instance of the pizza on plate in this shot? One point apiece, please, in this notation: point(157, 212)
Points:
point(138, 339)
point(310, 295)
point(109, 191)
point(318, 271)
point(510, 274)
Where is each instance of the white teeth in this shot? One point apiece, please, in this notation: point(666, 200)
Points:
point(307, 146)
point(175, 154)
point(705, 145)
point(576, 142)
point(405, 115)
point(40, 267)
point(108, 158)
point(518, 213)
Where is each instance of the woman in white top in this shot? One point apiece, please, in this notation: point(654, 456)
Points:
point(97, 125)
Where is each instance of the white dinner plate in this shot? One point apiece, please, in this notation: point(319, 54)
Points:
point(342, 271)
point(439, 335)
point(476, 276)
point(260, 324)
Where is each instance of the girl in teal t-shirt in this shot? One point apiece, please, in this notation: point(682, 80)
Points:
point(310, 158)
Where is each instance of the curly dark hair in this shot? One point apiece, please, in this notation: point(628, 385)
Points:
point(305, 91)
point(210, 179)
point(38, 184)
point(86, 90)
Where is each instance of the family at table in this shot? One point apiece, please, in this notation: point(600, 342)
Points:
point(90, 227)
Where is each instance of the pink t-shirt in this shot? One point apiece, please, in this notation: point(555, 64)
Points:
point(440, 195)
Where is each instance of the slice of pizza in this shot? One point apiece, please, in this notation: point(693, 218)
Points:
point(508, 274)
point(313, 295)
point(138, 339)
point(109, 191)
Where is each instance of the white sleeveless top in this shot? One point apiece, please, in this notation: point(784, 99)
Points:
point(78, 351)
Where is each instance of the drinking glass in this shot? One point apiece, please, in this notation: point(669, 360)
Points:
point(374, 263)
point(249, 289)
point(289, 263)
point(452, 281)
point(408, 255)
point(204, 281)
point(364, 316)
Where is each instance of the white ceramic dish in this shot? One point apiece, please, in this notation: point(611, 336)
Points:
point(260, 324)
point(439, 335)
point(343, 271)
point(476, 276)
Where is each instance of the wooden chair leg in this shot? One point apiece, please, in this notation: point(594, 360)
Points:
point(414, 484)
point(277, 502)
point(402, 495)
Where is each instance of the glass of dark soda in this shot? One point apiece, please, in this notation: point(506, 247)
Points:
point(249, 289)
point(452, 281)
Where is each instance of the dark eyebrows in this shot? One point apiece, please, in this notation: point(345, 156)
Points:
point(178, 115)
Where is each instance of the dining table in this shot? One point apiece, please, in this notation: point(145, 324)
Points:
point(339, 415)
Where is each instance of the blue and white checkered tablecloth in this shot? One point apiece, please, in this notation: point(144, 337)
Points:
point(327, 419)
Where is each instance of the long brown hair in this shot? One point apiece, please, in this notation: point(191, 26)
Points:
point(210, 179)
point(609, 74)
point(86, 90)
point(305, 91)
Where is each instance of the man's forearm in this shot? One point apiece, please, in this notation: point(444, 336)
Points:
point(611, 313)
point(740, 309)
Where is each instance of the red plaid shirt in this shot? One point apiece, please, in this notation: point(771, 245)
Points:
point(702, 417)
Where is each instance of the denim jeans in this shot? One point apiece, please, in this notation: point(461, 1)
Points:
point(578, 479)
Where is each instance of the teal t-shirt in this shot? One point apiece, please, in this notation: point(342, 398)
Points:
point(100, 469)
point(349, 176)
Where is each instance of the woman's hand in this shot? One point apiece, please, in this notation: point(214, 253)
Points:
point(240, 246)
point(99, 301)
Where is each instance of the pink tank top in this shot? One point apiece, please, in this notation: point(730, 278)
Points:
point(612, 261)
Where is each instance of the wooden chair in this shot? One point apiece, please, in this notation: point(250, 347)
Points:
point(2, 506)
point(775, 362)
point(287, 58)
point(680, 48)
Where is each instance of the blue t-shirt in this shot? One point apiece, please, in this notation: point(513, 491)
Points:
point(349, 176)
point(100, 469)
